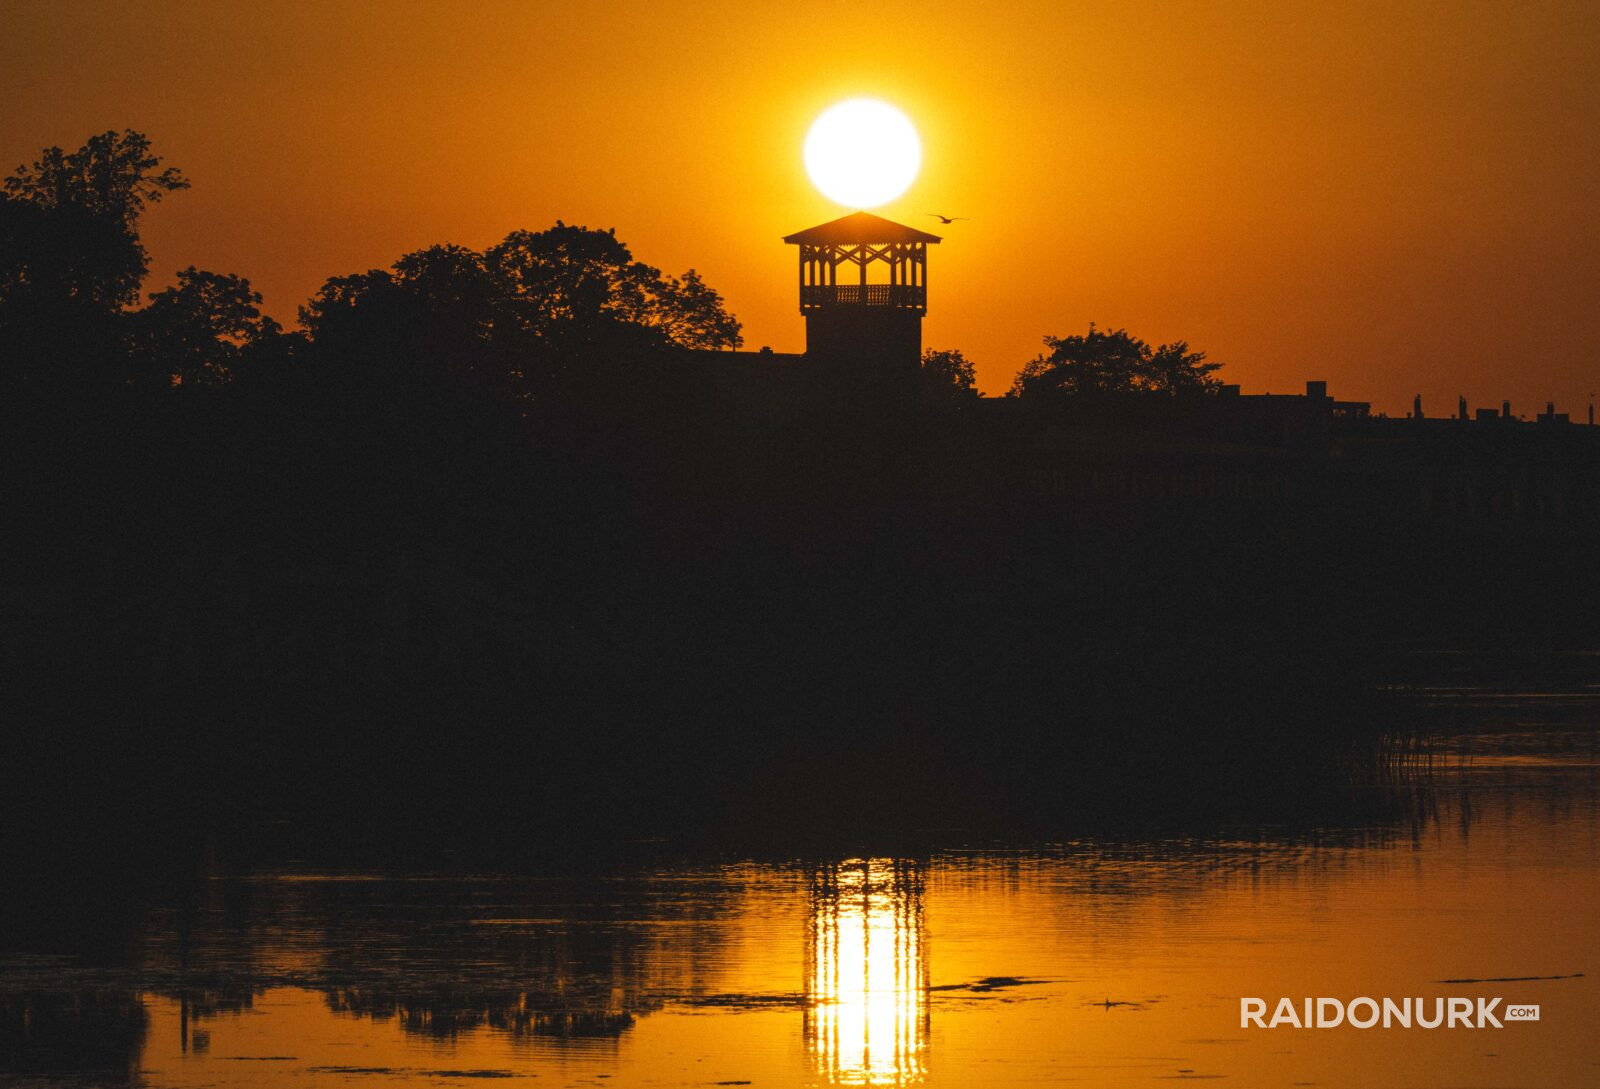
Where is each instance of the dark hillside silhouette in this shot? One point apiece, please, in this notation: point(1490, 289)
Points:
point(513, 545)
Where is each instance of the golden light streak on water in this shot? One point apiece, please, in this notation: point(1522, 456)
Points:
point(866, 1021)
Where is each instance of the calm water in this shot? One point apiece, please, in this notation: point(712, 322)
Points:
point(1099, 963)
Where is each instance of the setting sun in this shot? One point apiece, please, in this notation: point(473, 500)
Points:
point(862, 153)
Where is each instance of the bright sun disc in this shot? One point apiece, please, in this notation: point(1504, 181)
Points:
point(862, 153)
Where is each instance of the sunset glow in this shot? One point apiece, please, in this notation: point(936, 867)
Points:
point(938, 546)
point(1396, 199)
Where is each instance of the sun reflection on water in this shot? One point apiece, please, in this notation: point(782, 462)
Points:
point(866, 1020)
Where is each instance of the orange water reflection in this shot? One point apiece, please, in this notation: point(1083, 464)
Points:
point(1096, 962)
point(866, 1019)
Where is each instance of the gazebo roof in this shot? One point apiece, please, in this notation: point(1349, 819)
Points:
point(858, 227)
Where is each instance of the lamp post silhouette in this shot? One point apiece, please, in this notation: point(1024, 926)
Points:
point(864, 291)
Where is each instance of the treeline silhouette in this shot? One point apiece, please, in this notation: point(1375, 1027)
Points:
point(489, 549)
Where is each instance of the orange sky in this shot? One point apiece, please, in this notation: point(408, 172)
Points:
point(1395, 197)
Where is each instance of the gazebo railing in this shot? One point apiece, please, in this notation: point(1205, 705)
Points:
point(902, 296)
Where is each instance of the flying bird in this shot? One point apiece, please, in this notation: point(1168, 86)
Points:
point(946, 220)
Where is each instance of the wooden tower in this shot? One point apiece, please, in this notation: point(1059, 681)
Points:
point(863, 291)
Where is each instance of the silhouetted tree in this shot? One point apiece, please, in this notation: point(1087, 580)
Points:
point(948, 374)
point(455, 288)
point(689, 312)
point(565, 308)
point(1113, 363)
point(95, 196)
point(196, 332)
point(55, 257)
point(439, 312)
point(576, 285)
point(332, 314)
point(70, 253)
point(459, 317)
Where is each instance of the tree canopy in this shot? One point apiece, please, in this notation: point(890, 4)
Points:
point(70, 225)
point(573, 283)
point(72, 262)
point(196, 332)
point(1114, 363)
point(566, 301)
point(562, 286)
point(536, 308)
point(949, 375)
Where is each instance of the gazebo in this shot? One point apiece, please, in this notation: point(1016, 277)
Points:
point(864, 291)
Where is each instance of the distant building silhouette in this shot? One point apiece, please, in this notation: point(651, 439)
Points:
point(863, 291)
